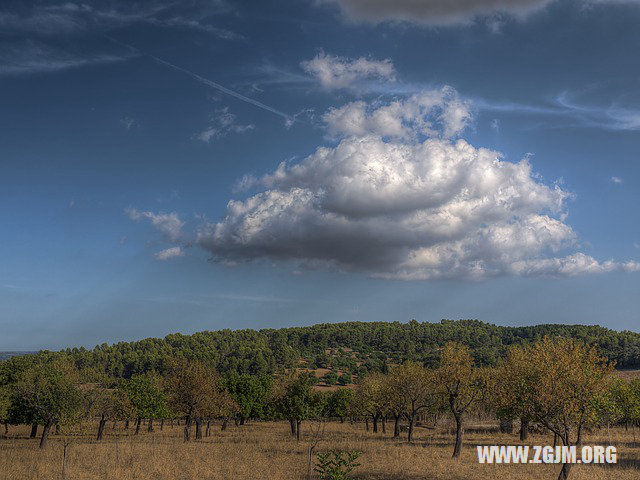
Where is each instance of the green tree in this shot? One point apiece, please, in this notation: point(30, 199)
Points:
point(146, 397)
point(513, 388)
point(49, 391)
point(251, 394)
point(5, 404)
point(345, 379)
point(339, 402)
point(330, 378)
point(627, 397)
point(296, 401)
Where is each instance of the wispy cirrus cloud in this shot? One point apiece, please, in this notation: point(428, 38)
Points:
point(222, 123)
point(446, 13)
point(569, 110)
point(611, 116)
point(102, 15)
point(432, 12)
point(31, 56)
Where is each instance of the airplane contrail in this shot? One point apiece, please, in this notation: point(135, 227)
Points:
point(289, 118)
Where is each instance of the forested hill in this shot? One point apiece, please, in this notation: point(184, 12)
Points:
point(355, 347)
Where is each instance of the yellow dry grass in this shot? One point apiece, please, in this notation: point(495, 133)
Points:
point(264, 450)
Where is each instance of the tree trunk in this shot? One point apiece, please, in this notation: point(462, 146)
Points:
point(375, 423)
point(64, 461)
point(138, 423)
point(341, 420)
point(396, 426)
point(34, 430)
point(187, 428)
point(45, 435)
point(224, 424)
point(198, 421)
point(101, 425)
point(161, 424)
point(506, 425)
point(524, 429)
point(459, 432)
point(564, 472)
point(207, 433)
point(242, 420)
point(412, 420)
point(298, 428)
point(292, 424)
point(57, 429)
point(384, 424)
point(6, 428)
point(366, 421)
point(150, 427)
point(126, 424)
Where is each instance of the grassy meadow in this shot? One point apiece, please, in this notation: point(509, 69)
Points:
point(265, 450)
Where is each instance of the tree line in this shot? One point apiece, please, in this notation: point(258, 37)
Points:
point(561, 385)
point(359, 347)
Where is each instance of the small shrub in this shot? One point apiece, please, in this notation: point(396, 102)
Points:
point(337, 464)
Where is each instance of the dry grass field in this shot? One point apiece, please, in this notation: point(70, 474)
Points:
point(266, 451)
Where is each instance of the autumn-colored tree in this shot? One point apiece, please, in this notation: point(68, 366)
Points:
point(415, 389)
point(396, 401)
point(194, 391)
point(109, 404)
point(569, 377)
point(371, 397)
point(460, 384)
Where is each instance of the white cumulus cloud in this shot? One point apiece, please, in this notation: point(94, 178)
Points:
point(169, 253)
point(404, 202)
point(428, 113)
point(333, 72)
point(168, 223)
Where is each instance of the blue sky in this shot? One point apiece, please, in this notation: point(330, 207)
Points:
point(383, 160)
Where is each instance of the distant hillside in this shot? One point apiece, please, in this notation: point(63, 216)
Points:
point(353, 348)
point(5, 355)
